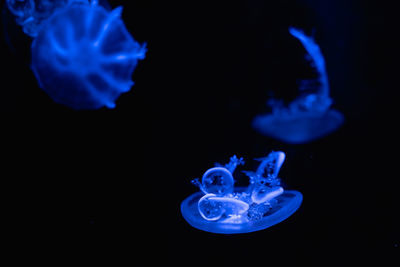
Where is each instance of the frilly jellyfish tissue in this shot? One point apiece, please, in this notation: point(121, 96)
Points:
point(221, 208)
point(82, 54)
point(309, 116)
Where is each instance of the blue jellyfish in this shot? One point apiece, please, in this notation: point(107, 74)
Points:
point(221, 208)
point(82, 54)
point(31, 13)
point(310, 115)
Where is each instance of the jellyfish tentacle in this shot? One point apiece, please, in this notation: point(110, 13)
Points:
point(115, 14)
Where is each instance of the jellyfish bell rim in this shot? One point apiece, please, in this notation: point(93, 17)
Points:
point(190, 213)
point(286, 127)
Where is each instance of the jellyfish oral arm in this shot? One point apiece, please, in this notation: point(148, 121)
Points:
point(264, 194)
point(212, 207)
point(233, 163)
point(197, 183)
point(273, 162)
point(316, 55)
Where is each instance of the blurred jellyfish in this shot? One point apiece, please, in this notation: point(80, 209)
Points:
point(309, 116)
point(223, 209)
point(82, 54)
point(31, 13)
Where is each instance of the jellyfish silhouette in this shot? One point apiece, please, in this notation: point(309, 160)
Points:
point(221, 208)
point(82, 54)
point(309, 116)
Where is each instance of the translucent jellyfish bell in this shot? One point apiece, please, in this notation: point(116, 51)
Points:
point(309, 116)
point(82, 54)
point(244, 209)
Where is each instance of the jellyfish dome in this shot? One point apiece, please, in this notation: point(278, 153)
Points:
point(262, 204)
point(82, 53)
point(309, 116)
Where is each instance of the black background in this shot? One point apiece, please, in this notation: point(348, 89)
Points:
point(108, 184)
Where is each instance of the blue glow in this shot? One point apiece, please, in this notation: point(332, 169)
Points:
point(82, 54)
point(309, 116)
point(228, 210)
point(30, 13)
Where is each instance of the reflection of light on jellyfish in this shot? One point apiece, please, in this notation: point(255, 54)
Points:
point(82, 54)
point(223, 209)
point(309, 116)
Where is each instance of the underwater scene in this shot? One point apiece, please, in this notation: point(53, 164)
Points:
point(212, 133)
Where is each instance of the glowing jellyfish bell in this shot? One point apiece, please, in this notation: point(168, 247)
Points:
point(309, 116)
point(82, 54)
point(224, 209)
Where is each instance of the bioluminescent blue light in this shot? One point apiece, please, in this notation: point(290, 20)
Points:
point(223, 209)
point(309, 116)
point(31, 13)
point(219, 180)
point(82, 54)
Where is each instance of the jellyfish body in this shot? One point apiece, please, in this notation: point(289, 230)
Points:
point(83, 57)
point(262, 204)
point(286, 204)
point(309, 116)
point(82, 54)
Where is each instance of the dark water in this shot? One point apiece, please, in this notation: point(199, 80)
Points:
point(99, 183)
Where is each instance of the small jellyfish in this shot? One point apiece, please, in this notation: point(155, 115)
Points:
point(82, 54)
point(262, 204)
point(310, 115)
